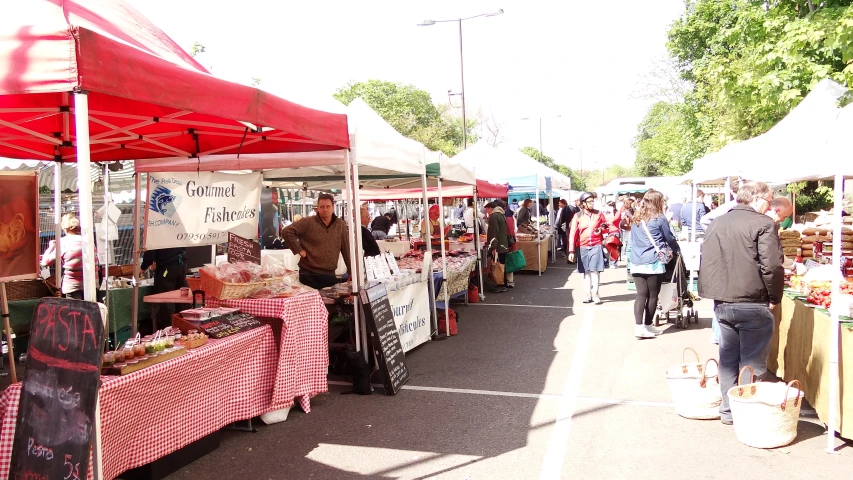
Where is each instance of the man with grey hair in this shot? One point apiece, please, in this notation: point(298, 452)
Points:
point(742, 272)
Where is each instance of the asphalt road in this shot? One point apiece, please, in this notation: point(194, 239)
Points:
point(536, 385)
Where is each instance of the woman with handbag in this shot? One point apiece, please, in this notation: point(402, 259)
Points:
point(497, 242)
point(652, 247)
point(510, 233)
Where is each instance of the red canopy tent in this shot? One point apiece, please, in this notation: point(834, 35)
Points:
point(147, 98)
point(94, 80)
point(485, 189)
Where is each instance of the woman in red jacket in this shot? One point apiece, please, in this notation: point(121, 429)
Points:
point(587, 233)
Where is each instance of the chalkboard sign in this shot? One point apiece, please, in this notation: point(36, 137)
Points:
point(56, 414)
point(226, 325)
point(384, 338)
point(243, 250)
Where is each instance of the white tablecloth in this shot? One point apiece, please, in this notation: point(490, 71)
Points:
point(290, 259)
point(396, 248)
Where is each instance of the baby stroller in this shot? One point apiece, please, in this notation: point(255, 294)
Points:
point(675, 298)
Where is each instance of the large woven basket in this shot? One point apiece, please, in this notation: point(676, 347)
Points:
point(216, 288)
point(765, 415)
point(695, 393)
point(26, 289)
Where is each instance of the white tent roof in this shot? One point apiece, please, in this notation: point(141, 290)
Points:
point(499, 165)
point(120, 181)
point(789, 141)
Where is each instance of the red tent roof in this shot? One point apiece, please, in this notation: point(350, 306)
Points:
point(147, 97)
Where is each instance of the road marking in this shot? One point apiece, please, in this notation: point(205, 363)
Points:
point(582, 308)
point(555, 455)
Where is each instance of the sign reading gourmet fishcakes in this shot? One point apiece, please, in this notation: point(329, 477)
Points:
point(200, 208)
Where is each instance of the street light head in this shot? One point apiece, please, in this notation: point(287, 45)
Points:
point(426, 23)
point(497, 12)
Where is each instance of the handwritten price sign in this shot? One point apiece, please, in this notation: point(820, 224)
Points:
point(53, 433)
point(243, 250)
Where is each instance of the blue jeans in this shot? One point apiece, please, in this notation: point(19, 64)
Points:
point(746, 329)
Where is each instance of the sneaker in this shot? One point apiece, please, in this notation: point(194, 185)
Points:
point(641, 332)
point(727, 421)
point(510, 285)
point(596, 300)
point(500, 289)
point(587, 300)
point(652, 330)
point(614, 266)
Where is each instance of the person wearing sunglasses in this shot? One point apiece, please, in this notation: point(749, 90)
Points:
point(587, 235)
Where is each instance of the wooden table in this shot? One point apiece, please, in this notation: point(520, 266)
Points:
point(529, 249)
point(800, 350)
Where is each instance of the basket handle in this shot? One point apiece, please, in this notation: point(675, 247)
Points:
point(751, 380)
point(796, 399)
point(704, 381)
point(694, 353)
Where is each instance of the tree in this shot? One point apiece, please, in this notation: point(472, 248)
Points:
point(411, 112)
point(256, 81)
point(196, 49)
point(578, 183)
point(668, 140)
point(493, 127)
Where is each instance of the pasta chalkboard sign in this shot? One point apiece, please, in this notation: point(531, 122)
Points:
point(221, 327)
point(56, 414)
point(384, 338)
point(243, 250)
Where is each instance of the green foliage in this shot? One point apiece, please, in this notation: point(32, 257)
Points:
point(45, 190)
point(813, 196)
point(750, 62)
point(578, 182)
point(411, 112)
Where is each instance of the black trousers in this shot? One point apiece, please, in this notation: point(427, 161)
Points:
point(317, 280)
point(167, 278)
point(646, 303)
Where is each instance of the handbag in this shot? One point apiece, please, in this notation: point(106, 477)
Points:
point(664, 254)
point(495, 270)
point(515, 261)
point(510, 240)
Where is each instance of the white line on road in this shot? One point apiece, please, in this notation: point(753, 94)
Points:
point(555, 455)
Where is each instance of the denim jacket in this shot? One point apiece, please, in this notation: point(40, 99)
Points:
point(642, 250)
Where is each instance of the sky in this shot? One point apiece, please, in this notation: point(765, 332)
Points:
point(579, 66)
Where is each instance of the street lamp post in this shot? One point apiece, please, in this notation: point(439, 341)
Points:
point(541, 151)
point(427, 23)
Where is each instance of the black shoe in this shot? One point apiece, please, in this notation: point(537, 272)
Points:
point(500, 289)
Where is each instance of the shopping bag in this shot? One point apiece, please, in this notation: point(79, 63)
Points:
point(668, 297)
point(495, 270)
point(515, 261)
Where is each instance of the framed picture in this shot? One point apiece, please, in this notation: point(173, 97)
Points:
point(19, 226)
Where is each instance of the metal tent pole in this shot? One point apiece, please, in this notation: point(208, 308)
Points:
point(445, 283)
point(358, 262)
point(538, 236)
point(478, 246)
point(134, 307)
point(835, 314)
point(57, 207)
point(354, 279)
point(428, 254)
point(84, 185)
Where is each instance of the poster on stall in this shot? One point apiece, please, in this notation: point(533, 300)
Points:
point(410, 305)
point(19, 233)
point(199, 208)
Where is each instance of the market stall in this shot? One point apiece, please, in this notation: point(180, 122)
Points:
point(58, 103)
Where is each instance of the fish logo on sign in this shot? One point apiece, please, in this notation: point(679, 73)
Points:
point(164, 202)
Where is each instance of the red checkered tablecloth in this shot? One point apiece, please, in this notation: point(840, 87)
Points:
point(159, 409)
point(303, 359)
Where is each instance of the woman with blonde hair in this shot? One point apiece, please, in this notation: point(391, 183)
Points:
point(72, 257)
point(650, 238)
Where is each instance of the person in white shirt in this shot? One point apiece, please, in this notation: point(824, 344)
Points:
point(468, 217)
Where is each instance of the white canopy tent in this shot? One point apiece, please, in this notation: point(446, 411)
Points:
point(789, 141)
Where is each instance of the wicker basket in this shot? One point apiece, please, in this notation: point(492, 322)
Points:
point(216, 288)
point(765, 415)
point(695, 393)
point(26, 289)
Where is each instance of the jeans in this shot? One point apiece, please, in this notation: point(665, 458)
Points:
point(626, 238)
point(746, 329)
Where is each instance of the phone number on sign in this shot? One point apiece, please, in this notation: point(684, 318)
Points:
point(202, 236)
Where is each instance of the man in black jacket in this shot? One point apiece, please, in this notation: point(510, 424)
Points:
point(742, 272)
point(170, 273)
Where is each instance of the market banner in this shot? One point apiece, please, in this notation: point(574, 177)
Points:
point(411, 314)
point(19, 234)
point(200, 208)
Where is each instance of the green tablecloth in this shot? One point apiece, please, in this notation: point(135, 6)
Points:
point(21, 311)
